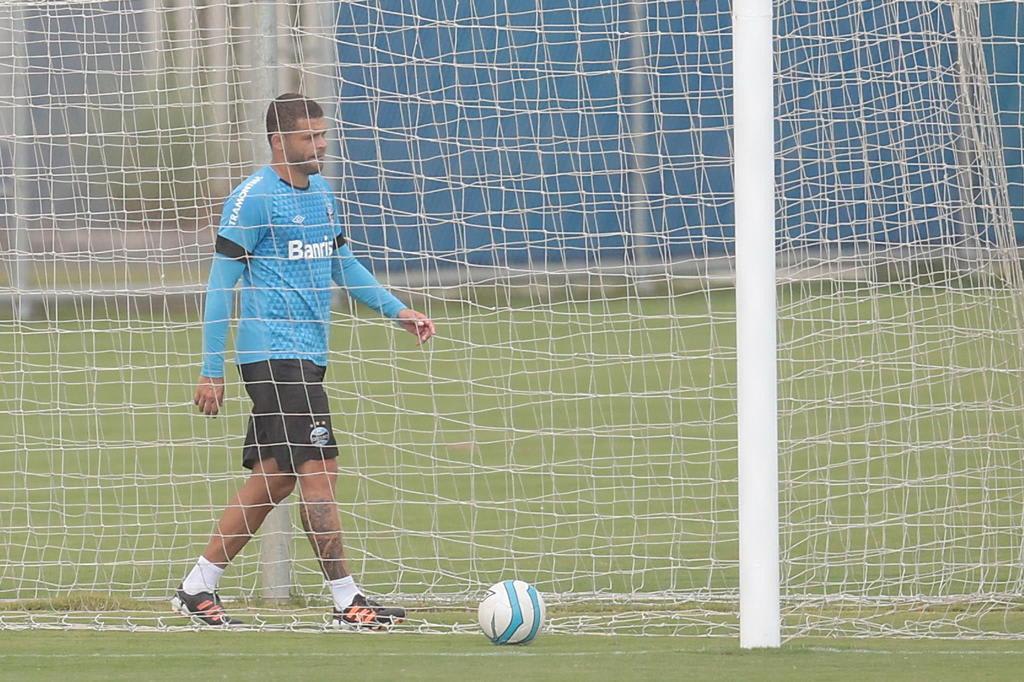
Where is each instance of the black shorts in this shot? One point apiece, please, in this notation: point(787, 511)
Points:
point(290, 419)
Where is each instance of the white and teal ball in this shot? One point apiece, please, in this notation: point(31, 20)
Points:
point(512, 612)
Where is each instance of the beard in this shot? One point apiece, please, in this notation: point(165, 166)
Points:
point(306, 165)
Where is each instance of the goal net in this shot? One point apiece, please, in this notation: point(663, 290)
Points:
point(551, 182)
point(901, 322)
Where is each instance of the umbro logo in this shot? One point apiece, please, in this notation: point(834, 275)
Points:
point(299, 219)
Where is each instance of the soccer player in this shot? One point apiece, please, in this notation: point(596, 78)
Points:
point(280, 235)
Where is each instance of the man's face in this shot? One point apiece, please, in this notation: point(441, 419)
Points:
point(306, 147)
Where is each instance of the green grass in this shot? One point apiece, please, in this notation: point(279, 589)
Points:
point(226, 656)
point(492, 451)
point(583, 445)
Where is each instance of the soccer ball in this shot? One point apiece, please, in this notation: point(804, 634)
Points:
point(511, 612)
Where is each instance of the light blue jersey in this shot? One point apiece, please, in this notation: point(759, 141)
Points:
point(286, 245)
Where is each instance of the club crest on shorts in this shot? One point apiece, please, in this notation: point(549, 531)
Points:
point(320, 435)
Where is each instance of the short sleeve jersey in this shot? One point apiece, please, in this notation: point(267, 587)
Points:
point(287, 237)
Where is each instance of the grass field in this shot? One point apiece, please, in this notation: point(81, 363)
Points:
point(224, 656)
point(586, 446)
point(533, 438)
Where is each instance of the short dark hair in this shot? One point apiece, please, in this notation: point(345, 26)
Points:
point(284, 113)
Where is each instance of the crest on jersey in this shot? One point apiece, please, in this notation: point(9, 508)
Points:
point(320, 436)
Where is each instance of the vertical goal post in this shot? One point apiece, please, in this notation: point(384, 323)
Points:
point(756, 372)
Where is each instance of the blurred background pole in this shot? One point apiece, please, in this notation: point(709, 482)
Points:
point(641, 161)
point(276, 534)
point(23, 168)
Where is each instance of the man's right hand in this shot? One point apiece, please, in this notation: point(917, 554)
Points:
point(209, 395)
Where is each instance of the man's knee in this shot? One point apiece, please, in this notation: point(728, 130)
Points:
point(316, 478)
point(277, 484)
point(280, 486)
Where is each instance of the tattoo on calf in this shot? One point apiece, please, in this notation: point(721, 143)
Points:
point(323, 527)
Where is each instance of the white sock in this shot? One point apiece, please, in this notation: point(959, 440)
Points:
point(203, 577)
point(343, 590)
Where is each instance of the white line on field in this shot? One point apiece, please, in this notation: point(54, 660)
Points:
point(347, 654)
point(888, 652)
point(507, 652)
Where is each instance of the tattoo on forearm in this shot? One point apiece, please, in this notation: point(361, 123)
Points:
point(323, 527)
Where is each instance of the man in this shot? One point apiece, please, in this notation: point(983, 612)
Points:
point(280, 235)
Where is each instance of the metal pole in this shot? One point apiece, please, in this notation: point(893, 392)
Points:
point(23, 169)
point(753, 110)
point(318, 62)
point(275, 547)
point(637, 119)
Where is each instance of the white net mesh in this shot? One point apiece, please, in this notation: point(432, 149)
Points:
point(552, 184)
point(901, 332)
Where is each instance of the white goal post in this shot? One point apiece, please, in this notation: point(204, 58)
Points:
point(756, 345)
point(728, 294)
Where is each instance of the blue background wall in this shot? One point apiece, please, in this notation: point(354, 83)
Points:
point(1002, 27)
point(492, 132)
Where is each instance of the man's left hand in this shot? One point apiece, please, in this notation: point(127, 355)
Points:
point(417, 324)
